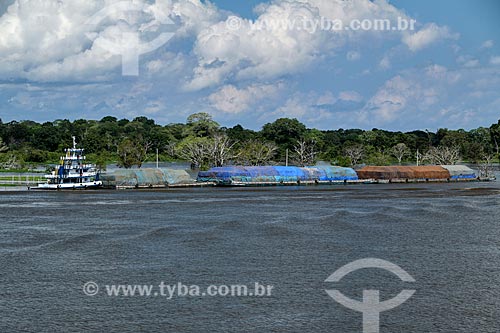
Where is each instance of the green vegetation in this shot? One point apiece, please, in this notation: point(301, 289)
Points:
point(204, 143)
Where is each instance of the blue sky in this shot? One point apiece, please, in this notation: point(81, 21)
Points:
point(444, 73)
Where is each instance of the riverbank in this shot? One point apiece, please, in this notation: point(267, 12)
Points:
point(13, 180)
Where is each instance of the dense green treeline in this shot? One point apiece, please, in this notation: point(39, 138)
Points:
point(204, 143)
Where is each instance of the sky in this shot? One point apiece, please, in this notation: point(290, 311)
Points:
point(251, 62)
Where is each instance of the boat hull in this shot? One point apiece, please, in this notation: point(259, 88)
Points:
point(69, 186)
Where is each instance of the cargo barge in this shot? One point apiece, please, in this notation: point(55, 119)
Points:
point(331, 175)
point(256, 176)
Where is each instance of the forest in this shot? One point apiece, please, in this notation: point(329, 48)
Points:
point(203, 143)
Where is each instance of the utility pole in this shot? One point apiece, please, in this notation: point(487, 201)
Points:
point(418, 158)
point(157, 159)
point(287, 157)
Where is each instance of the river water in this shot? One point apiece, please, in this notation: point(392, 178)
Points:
point(446, 236)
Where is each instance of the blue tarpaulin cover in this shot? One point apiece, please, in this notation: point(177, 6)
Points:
point(276, 174)
point(460, 172)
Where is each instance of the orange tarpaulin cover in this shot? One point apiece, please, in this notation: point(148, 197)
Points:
point(403, 172)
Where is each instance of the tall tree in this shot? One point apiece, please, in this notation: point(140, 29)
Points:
point(305, 152)
point(486, 166)
point(130, 154)
point(201, 125)
point(355, 153)
point(221, 150)
point(195, 150)
point(257, 153)
point(240, 134)
point(495, 137)
point(284, 132)
point(442, 155)
point(3, 146)
point(400, 151)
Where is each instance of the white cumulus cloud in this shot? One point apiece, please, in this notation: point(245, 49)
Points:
point(353, 56)
point(427, 36)
point(418, 97)
point(495, 60)
point(276, 43)
point(52, 40)
point(230, 99)
point(488, 44)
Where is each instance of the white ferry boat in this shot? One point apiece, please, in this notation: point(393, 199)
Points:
point(72, 173)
